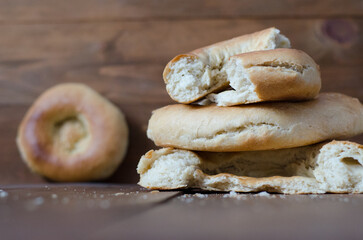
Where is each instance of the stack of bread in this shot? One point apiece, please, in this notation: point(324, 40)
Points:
point(256, 123)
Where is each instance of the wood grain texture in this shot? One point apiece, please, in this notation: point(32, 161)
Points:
point(109, 10)
point(101, 211)
point(247, 216)
point(120, 47)
point(124, 60)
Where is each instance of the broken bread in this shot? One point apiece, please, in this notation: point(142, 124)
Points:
point(189, 77)
point(271, 75)
point(261, 126)
point(335, 167)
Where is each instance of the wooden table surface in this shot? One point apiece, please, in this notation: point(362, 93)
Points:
point(105, 211)
point(119, 48)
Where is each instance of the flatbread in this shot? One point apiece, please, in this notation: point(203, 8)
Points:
point(253, 127)
point(335, 167)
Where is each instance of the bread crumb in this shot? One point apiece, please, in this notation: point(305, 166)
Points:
point(199, 195)
point(144, 196)
point(187, 198)
point(119, 193)
point(235, 195)
point(263, 194)
point(54, 196)
point(38, 201)
point(3, 194)
point(230, 194)
point(203, 102)
point(155, 191)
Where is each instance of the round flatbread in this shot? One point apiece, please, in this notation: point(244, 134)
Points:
point(261, 126)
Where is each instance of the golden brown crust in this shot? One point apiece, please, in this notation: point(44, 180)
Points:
point(71, 133)
point(258, 39)
point(256, 126)
point(282, 74)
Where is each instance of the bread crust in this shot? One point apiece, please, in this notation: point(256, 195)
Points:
point(276, 75)
point(299, 80)
point(214, 56)
point(259, 126)
point(71, 133)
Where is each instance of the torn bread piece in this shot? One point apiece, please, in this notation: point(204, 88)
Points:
point(335, 167)
point(271, 75)
point(260, 126)
point(189, 77)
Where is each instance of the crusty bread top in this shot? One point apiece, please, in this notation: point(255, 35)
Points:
point(325, 167)
point(293, 59)
point(256, 126)
point(271, 75)
point(221, 51)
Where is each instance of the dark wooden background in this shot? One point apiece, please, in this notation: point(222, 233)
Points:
point(120, 47)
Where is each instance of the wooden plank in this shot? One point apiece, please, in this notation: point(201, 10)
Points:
point(124, 61)
point(246, 216)
point(104, 211)
point(70, 211)
point(110, 10)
